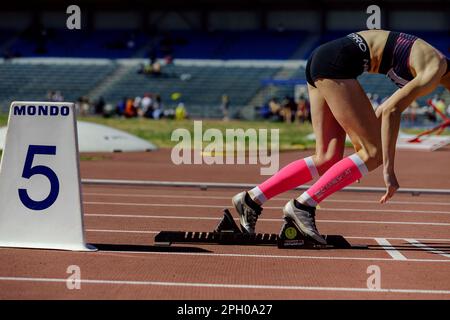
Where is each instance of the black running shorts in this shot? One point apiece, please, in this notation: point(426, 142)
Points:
point(343, 58)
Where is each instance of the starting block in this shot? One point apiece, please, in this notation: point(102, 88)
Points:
point(228, 233)
point(40, 186)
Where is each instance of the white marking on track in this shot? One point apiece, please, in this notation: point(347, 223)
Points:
point(121, 231)
point(398, 238)
point(212, 197)
point(348, 237)
point(394, 253)
point(423, 246)
point(107, 215)
point(227, 285)
point(181, 205)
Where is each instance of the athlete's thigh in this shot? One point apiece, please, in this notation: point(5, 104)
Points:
point(330, 137)
point(352, 109)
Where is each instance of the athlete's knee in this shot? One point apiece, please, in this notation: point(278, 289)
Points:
point(325, 161)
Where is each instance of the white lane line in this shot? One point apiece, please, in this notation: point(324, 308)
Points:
point(181, 205)
point(394, 253)
point(226, 285)
point(418, 244)
point(348, 237)
point(397, 238)
point(121, 231)
point(107, 215)
point(266, 256)
point(171, 196)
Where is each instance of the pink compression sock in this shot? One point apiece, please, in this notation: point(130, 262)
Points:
point(341, 174)
point(291, 176)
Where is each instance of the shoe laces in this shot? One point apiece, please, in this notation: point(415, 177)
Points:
point(252, 215)
point(312, 215)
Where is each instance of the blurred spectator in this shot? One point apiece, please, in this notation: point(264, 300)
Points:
point(440, 105)
point(303, 110)
point(137, 106)
point(85, 106)
point(99, 106)
point(180, 111)
point(82, 106)
point(120, 108)
point(265, 111)
point(156, 69)
point(410, 114)
point(225, 106)
point(275, 109)
point(50, 95)
point(435, 99)
point(288, 109)
point(108, 111)
point(271, 110)
point(130, 110)
point(157, 107)
point(58, 97)
point(147, 105)
point(168, 59)
point(55, 96)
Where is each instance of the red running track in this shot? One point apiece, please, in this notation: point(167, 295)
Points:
point(409, 240)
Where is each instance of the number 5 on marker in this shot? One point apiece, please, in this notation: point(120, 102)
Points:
point(29, 171)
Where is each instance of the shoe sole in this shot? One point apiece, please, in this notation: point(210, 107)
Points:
point(300, 225)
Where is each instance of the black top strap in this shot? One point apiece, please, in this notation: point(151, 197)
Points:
point(388, 52)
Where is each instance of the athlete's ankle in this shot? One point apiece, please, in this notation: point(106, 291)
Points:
point(257, 196)
point(302, 205)
point(253, 203)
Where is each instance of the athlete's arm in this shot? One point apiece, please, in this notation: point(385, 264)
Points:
point(424, 82)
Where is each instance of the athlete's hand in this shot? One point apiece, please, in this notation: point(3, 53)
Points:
point(391, 186)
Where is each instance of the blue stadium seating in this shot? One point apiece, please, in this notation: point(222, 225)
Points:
point(204, 88)
point(184, 44)
point(67, 43)
point(238, 45)
point(33, 81)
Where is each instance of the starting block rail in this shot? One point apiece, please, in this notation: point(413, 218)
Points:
point(228, 233)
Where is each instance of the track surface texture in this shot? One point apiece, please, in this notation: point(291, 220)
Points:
point(408, 238)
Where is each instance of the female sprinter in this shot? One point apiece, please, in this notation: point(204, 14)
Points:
point(339, 106)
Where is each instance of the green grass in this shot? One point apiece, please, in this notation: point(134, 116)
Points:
point(3, 119)
point(292, 136)
point(84, 157)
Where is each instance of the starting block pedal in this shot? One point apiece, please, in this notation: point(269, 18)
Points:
point(228, 233)
point(291, 237)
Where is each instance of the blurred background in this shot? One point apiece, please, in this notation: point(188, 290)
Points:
point(216, 59)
